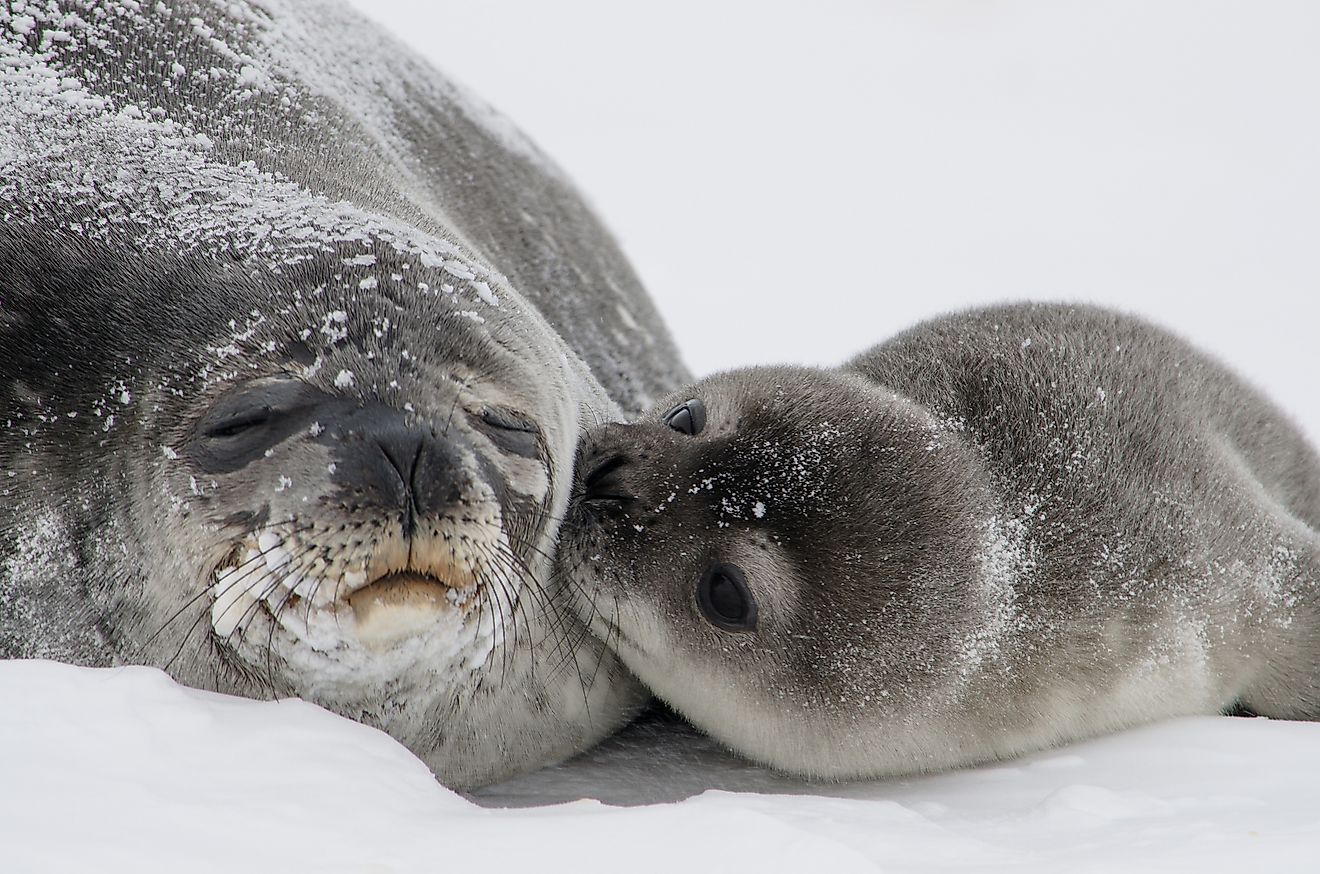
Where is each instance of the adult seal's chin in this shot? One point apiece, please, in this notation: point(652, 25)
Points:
point(294, 354)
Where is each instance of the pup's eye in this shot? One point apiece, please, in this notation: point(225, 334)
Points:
point(725, 600)
point(688, 417)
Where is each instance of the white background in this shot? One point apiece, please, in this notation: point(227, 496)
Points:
point(797, 181)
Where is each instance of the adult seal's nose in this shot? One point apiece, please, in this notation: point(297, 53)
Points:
point(392, 463)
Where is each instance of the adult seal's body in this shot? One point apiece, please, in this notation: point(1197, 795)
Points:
point(997, 532)
point(296, 341)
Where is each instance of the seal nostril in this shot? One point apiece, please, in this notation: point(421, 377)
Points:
point(604, 469)
point(406, 461)
point(602, 485)
point(396, 455)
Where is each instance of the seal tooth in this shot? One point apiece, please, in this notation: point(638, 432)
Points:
point(290, 582)
point(277, 557)
point(232, 601)
point(227, 582)
point(355, 579)
point(268, 540)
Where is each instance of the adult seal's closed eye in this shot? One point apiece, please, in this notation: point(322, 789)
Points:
point(296, 340)
point(999, 531)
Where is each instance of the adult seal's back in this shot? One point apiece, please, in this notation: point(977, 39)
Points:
point(999, 531)
point(296, 340)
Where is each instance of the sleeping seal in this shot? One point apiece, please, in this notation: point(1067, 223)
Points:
point(296, 341)
point(997, 532)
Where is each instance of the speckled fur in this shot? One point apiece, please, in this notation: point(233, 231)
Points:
point(999, 531)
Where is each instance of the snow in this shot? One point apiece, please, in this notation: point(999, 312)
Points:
point(792, 186)
point(123, 770)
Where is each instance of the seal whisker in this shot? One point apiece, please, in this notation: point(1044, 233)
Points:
point(572, 647)
point(462, 387)
point(509, 644)
point(556, 615)
point(242, 568)
point(514, 573)
point(485, 613)
point(490, 606)
point(300, 562)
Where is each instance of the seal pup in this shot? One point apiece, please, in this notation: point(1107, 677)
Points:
point(296, 343)
point(1000, 531)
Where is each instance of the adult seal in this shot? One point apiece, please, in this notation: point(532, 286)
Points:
point(296, 342)
point(1000, 531)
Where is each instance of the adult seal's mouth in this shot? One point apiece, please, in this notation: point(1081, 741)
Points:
point(398, 606)
point(376, 609)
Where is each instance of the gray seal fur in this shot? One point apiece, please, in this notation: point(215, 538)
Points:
point(1000, 531)
point(296, 342)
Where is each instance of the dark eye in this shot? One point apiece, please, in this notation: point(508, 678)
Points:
point(507, 420)
point(510, 431)
point(688, 417)
point(240, 422)
point(250, 419)
point(725, 599)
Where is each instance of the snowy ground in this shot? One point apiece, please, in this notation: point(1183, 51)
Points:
point(123, 770)
point(796, 186)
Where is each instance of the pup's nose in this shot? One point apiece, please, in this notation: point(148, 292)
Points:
point(602, 483)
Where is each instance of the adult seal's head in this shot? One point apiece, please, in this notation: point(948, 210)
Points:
point(992, 534)
point(296, 341)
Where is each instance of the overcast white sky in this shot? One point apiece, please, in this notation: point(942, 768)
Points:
point(797, 181)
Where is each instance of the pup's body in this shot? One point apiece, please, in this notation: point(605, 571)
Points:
point(999, 531)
